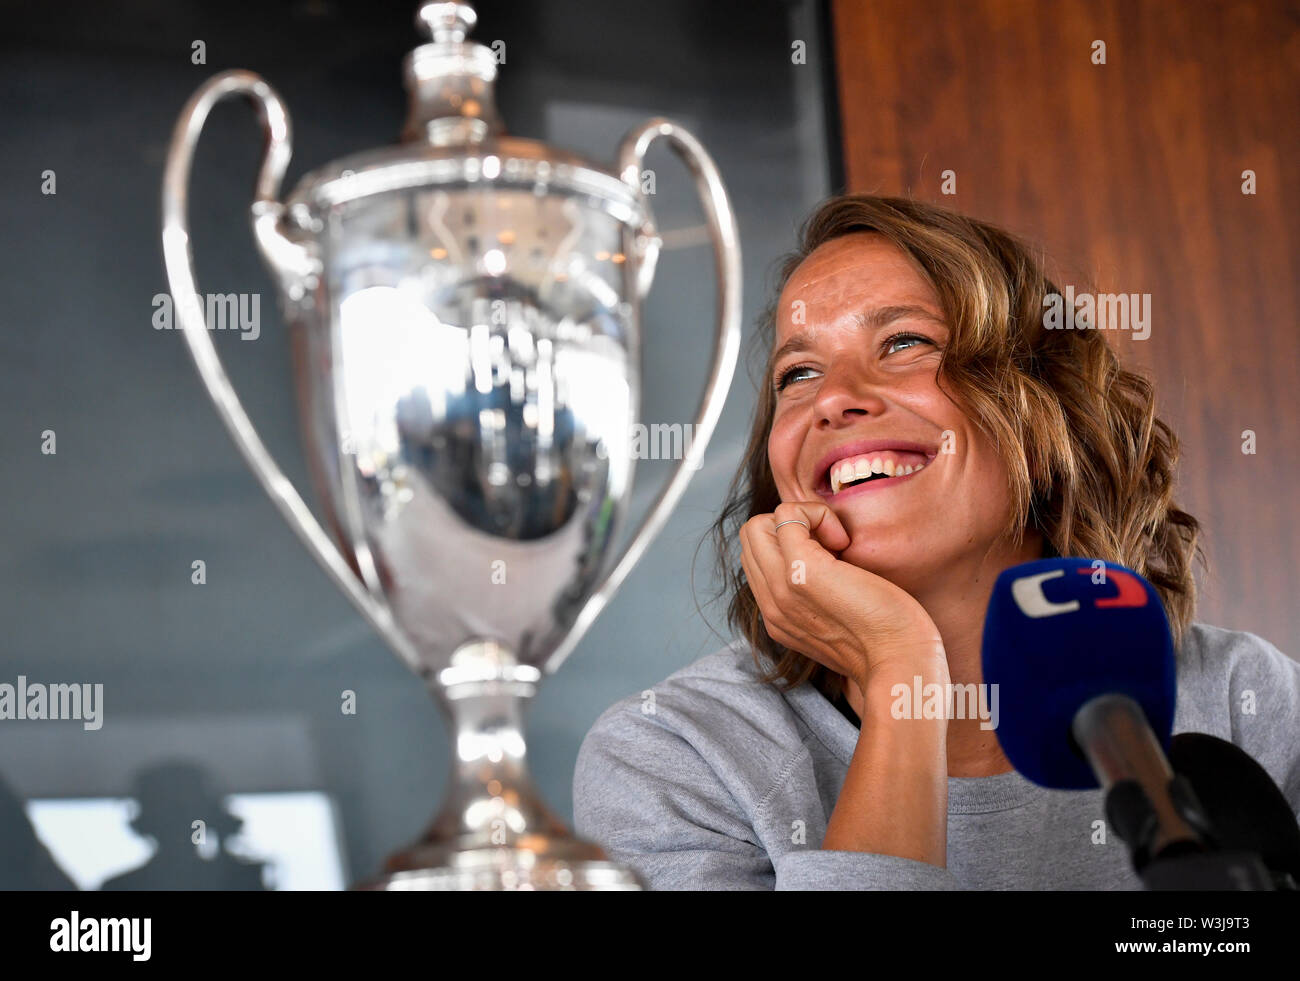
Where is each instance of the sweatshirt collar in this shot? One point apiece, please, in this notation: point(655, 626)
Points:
point(966, 795)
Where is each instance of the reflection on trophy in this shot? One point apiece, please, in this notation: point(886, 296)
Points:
point(464, 309)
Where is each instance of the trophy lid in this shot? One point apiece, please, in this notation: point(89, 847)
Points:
point(454, 135)
point(450, 80)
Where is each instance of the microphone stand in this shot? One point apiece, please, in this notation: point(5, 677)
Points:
point(1153, 810)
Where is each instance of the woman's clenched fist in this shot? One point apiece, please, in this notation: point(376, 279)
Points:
point(850, 620)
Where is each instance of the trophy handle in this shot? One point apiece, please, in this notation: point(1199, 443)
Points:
point(726, 256)
point(297, 269)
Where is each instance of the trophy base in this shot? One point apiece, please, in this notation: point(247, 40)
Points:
point(503, 869)
point(494, 832)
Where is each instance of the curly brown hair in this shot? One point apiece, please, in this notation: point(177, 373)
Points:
point(1089, 464)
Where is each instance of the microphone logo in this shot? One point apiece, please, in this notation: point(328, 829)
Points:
point(1033, 602)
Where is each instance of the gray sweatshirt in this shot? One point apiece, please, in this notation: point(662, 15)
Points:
point(714, 780)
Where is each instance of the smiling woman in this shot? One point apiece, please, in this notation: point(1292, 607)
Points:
point(898, 319)
point(919, 430)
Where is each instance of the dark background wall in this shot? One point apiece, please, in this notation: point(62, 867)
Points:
point(1129, 173)
point(242, 676)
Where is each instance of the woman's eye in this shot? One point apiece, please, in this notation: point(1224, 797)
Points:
point(790, 375)
point(902, 338)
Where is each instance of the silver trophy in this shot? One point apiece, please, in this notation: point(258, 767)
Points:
point(464, 314)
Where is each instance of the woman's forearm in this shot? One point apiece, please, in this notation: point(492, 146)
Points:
point(895, 797)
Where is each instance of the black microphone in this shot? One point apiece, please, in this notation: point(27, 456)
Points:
point(1246, 809)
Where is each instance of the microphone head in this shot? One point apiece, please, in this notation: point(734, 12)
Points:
point(1060, 632)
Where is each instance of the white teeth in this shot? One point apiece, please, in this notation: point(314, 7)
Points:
point(847, 471)
point(843, 473)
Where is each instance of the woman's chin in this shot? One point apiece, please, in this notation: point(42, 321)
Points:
point(898, 565)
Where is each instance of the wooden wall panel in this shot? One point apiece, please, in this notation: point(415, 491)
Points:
point(1130, 175)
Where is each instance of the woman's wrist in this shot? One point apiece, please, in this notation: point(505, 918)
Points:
point(894, 797)
point(901, 661)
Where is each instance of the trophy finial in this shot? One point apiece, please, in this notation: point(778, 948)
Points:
point(450, 80)
point(446, 22)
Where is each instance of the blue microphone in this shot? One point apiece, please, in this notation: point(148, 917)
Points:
point(1059, 633)
point(1084, 663)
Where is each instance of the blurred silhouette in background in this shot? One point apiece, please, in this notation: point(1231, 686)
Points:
point(187, 820)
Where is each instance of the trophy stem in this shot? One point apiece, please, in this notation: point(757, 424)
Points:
point(494, 831)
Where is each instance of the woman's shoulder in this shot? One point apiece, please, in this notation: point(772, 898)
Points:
point(714, 719)
point(1238, 686)
point(1218, 658)
point(703, 701)
point(673, 780)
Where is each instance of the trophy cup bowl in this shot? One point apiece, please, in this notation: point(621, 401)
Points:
point(464, 314)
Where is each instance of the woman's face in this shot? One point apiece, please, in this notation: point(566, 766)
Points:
point(859, 332)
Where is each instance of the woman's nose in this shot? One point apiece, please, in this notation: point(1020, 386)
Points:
point(846, 393)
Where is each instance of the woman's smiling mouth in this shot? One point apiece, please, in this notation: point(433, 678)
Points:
point(869, 463)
